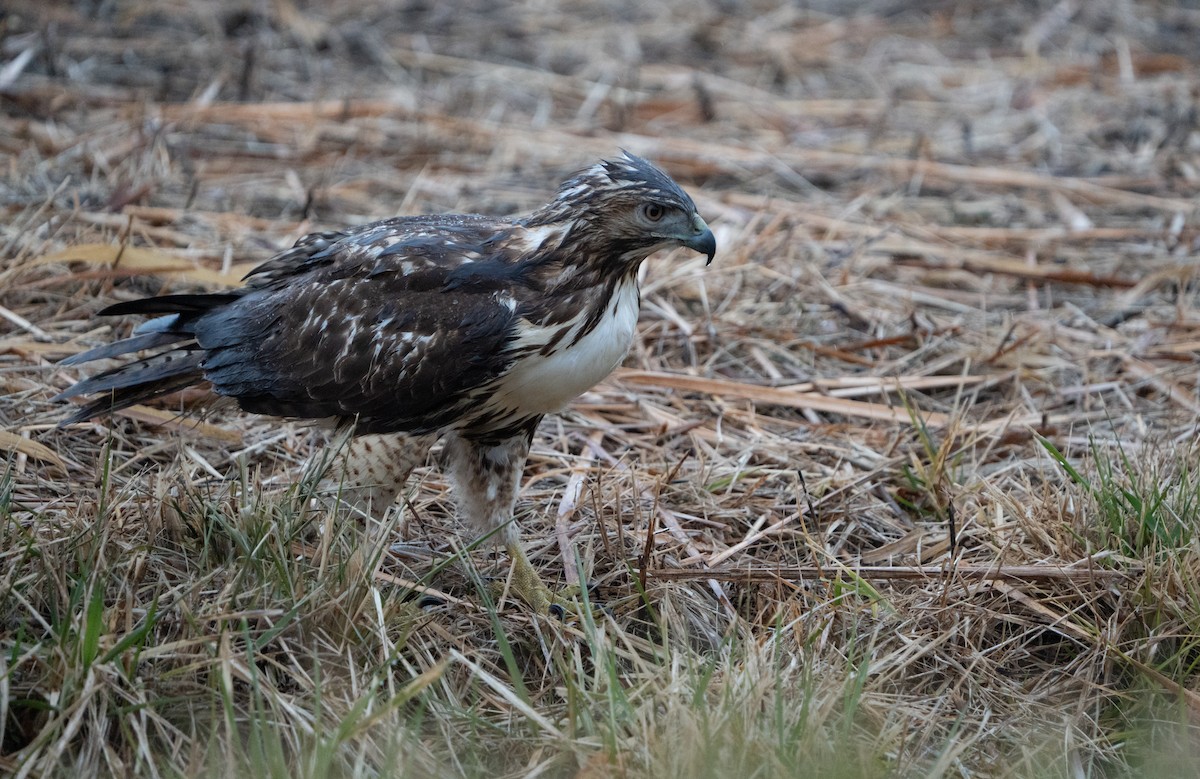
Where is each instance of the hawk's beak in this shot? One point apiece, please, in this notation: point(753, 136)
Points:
point(703, 240)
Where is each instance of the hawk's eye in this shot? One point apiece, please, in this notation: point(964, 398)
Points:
point(654, 211)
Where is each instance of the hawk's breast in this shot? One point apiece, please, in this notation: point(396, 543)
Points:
point(542, 384)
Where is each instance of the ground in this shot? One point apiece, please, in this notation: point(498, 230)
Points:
point(905, 483)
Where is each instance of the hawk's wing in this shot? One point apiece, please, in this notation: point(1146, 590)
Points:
point(394, 323)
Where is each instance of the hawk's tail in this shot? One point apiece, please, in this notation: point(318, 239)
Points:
point(152, 376)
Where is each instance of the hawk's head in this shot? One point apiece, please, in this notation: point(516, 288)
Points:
point(625, 209)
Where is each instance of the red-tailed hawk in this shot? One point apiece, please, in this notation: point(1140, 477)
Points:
point(466, 327)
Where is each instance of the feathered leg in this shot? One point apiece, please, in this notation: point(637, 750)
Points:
point(370, 470)
point(368, 475)
point(486, 476)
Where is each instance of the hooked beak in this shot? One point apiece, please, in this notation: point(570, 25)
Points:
point(703, 241)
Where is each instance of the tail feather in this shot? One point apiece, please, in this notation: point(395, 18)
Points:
point(162, 324)
point(184, 305)
point(156, 368)
point(154, 375)
point(130, 396)
point(125, 346)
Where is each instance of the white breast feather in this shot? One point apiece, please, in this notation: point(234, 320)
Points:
point(544, 384)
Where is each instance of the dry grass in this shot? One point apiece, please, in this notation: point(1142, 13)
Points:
point(955, 301)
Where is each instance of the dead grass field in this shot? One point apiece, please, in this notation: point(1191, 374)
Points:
point(905, 484)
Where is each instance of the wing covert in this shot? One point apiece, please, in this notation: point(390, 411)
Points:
point(394, 357)
point(408, 244)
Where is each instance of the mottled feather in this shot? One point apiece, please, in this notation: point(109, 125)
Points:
point(464, 326)
point(412, 324)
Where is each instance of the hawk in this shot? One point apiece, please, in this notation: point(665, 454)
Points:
point(460, 326)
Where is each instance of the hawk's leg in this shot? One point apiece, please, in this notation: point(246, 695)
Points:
point(367, 476)
point(487, 475)
point(372, 469)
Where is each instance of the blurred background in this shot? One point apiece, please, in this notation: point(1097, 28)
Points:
point(954, 299)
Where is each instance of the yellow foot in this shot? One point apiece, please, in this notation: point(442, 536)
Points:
point(528, 586)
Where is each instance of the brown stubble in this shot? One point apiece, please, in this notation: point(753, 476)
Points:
point(894, 251)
